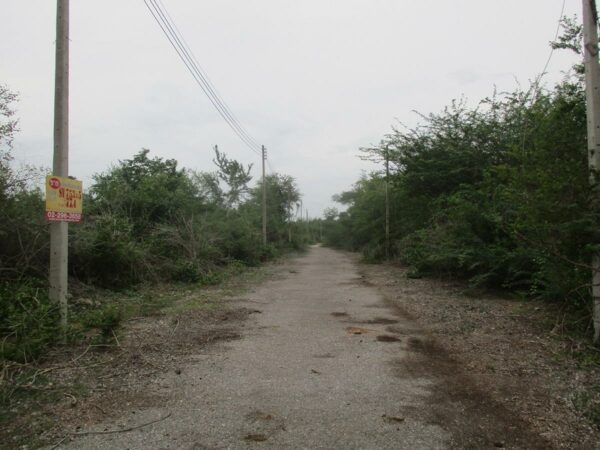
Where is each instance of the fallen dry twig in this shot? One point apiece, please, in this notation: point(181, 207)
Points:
point(124, 430)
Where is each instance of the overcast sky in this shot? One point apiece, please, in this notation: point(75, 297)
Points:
point(313, 80)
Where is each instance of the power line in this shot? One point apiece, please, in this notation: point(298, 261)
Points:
point(535, 86)
point(205, 84)
point(177, 33)
point(534, 89)
point(174, 37)
point(192, 58)
point(193, 67)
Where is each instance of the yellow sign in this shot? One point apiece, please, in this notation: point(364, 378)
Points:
point(64, 198)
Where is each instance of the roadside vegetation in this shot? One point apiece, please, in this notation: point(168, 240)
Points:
point(497, 195)
point(149, 226)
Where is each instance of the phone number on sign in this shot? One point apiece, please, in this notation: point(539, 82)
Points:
point(55, 216)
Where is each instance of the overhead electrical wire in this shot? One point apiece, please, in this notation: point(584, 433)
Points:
point(188, 58)
point(191, 64)
point(536, 84)
point(204, 75)
point(175, 38)
point(534, 89)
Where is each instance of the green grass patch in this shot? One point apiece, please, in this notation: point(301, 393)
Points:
point(28, 321)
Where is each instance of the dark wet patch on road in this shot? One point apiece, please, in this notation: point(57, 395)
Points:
point(392, 419)
point(416, 344)
point(324, 355)
point(264, 425)
point(358, 330)
point(383, 321)
point(387, 338)
point(378, 321)
point(483, 421)
point(255, 416)
point(255, 438)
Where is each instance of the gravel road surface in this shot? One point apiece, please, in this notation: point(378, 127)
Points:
point(318, 367)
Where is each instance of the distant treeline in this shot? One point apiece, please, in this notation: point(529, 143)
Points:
point(498, 195)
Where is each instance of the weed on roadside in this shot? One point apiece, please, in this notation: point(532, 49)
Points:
point(28, 322)
point(587, 402)
point(97, 318)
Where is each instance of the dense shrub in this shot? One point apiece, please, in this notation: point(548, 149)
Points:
point(498, 194)
point(145, 220)
point(28, 321)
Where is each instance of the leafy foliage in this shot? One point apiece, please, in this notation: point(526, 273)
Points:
point(498, 194)
point(28, 321)
point(235, 175)
point(146, 220)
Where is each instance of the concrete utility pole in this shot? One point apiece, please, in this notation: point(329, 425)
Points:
point(592, 92)
point(264, 197)
point(320, 230)
point(307, 225)
point(59, 231)
point(387, 203)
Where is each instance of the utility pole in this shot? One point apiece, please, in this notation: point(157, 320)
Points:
point(387, 204)
point(321, 230)
point(592, 92)
point(59, 231)
point(264, 197)
point(307, 226)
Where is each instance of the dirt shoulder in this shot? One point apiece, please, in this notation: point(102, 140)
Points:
point(77, 386)
point(494, 350)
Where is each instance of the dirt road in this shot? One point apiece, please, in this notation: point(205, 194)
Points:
point(327, 363)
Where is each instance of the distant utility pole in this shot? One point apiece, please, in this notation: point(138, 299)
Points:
point(321, 230)
point(592, 91)
point(387, 203)
point(307, 224)
point(264, 197)
point(59, 231)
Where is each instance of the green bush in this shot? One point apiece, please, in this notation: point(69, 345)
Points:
point(497, 195)
point(106, 319)
point(104, 252)
point(28, 321)
point(187, 272)
point(146, 220)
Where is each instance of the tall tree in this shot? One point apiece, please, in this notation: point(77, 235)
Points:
point(235, 175)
